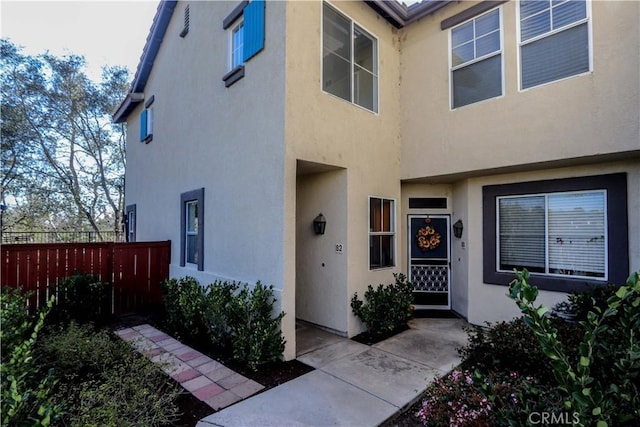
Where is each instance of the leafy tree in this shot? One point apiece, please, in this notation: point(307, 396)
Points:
point(62, 157)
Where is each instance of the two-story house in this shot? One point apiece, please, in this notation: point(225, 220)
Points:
point(448, 140)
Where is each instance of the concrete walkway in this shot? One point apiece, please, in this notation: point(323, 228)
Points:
point(205, 378)
point(353, 384)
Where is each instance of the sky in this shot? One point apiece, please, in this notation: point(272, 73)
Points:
point(104, 32)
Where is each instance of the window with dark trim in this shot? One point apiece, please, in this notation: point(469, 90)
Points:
point(192, 228)
point(130, 221)
point(529, 225)
point(245, 25)
point(146, 121)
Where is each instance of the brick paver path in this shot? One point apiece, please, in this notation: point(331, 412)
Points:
point(205, 378)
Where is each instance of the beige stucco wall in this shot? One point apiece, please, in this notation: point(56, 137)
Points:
point(588, 115)
point(228, 140)
point(488, 302)
point(324, 129)
point(321, 270)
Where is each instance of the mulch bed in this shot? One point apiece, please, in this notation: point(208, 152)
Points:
point(193, 410)
point(370, 339)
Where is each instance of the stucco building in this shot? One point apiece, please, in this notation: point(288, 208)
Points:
point(518, 122)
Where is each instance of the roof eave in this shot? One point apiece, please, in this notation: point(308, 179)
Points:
point(130, 102)
point(399, 15)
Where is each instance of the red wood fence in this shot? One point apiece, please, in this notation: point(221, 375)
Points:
point(135, 270)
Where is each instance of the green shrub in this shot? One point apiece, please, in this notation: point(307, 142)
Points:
point(255, 334)
point(512, 346)
point(15, 319)
point(27, 393)
point(237, 318)
point(216, 313)
point(185, 302)
point(105, 381)
point(386, 308)
point(584, 302)
point(603, 387)
point(82, 298)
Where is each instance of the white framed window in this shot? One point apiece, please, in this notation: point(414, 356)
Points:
point(236, 45)
point(557, 234)
point(382, 233)
point(476, 59)
point(349, 60)
point(191, 232)
point(554, 38)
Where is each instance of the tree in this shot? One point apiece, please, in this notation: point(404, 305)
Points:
point(62, 157)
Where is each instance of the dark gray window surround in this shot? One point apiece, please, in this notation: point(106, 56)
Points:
point(197, 195)
point(238, 72)
point(618, 246)
point(127, 210)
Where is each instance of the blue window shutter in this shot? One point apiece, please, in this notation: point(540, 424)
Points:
point(143, 125)
point(253, 28)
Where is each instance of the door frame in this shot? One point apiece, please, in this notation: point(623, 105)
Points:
point(409, 240)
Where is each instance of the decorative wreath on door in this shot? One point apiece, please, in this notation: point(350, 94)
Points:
point(428, 238)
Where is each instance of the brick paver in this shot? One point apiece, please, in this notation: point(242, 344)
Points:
point(207, 379)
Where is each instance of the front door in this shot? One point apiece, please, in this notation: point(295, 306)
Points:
point(429, 261)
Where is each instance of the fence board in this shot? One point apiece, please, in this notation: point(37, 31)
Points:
point(135, 270)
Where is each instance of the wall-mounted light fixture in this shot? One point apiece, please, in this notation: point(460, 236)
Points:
point(319, 224)
point(457, 229)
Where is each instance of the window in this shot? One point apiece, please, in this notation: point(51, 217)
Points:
point(246, 36)
point(130, 223)
point(569, 233)
point(382, 234)
point(349, 60)
point(191, 236)
point(557, 233)
point(476, 60)
point(237, 43)
point(554, 40)
point(146, 121)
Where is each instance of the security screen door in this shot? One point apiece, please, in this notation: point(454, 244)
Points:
point(429, 260)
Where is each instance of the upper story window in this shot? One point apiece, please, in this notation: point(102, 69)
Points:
point(382, 233)
point(349, 60)
point(236, 45)
point(476, 60)
point(146, 125)
point(554, 40)
point(246, 27)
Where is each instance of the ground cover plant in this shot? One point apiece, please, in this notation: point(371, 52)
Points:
point(581, 373)
point(56, 371)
